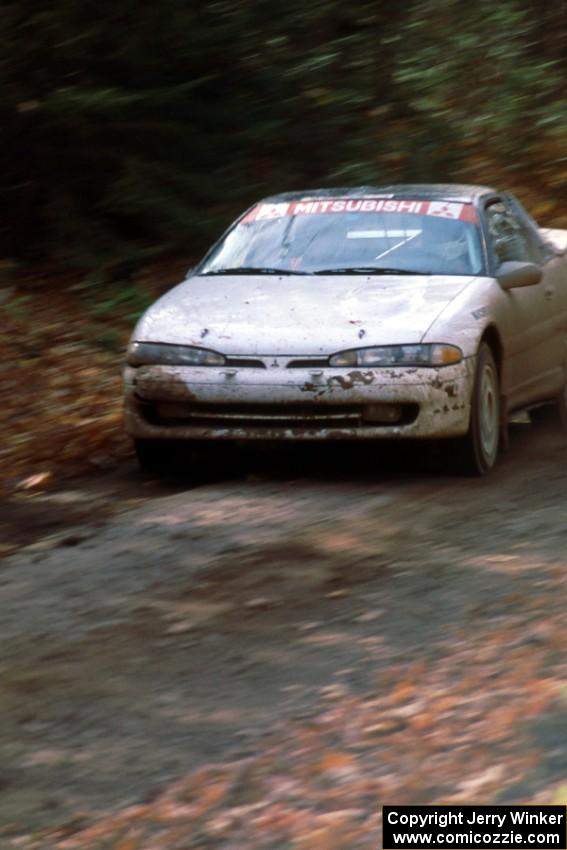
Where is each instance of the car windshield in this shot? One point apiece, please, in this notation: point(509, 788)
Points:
point(352, 236)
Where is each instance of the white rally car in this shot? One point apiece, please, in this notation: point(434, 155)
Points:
point(404, 311)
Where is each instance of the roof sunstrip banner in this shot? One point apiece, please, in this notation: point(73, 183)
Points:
point(318, 206)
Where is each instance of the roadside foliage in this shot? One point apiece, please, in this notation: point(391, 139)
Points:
point(128, 131)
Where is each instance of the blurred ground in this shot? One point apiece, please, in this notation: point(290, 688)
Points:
point(263, 656)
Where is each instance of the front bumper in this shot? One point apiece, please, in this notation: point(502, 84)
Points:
point(210, 403)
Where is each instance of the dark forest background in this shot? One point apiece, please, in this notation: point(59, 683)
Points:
point(130, 129)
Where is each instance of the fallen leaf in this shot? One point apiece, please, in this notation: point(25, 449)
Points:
point(33, 482)
point(337, 763)
point(387, 726)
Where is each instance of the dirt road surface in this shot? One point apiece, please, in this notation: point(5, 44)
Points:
point(399, 622)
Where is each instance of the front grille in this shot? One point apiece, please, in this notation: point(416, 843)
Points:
point(254, 410)
point(256, 363)
point(245, 363)
point(308, 364)
point(258, 415)
point(255, 415)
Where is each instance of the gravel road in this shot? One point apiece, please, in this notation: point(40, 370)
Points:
point(151, 627)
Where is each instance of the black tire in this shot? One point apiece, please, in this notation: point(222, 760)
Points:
point(477, 452)
point(155, 456)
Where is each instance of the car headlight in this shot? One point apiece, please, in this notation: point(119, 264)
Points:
point(430, 354)
point(162, 354)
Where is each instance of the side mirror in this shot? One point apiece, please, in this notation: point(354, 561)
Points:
point(512, 274)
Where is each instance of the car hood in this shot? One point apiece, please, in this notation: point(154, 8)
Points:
point(241, 315)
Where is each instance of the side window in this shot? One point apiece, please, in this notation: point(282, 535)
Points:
point(508, 237)
point(545, 250)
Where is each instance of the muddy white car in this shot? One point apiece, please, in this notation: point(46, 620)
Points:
point(400, 312)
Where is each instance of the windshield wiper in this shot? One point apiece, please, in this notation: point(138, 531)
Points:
point(251, 270)
point(366, 270)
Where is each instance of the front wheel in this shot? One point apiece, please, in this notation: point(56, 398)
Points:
point(478, 450)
